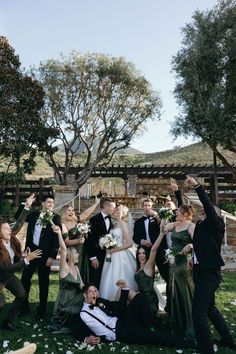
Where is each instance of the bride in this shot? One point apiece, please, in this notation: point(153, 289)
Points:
point(123, 263)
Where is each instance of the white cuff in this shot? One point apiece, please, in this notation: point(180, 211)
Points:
point(26, 261)
point(92, 258)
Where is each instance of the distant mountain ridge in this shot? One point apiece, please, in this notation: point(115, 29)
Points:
point(127, 151)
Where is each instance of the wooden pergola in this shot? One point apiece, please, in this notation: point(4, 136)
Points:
point(178, 172)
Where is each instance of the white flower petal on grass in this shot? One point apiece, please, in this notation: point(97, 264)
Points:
point(226, 309)
point(33, 335)
point(59, 343)
point(40, 335)
point(69, 352)
point(5, 343)
point(90, 347)
point(35, 326)
point(233, 302)
point(19, 340)
point(179, 351)
point(215, 348)
point(46, 346)
point(112, 349)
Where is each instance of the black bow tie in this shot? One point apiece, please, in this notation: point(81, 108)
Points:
point(92, 306)
point(146, 217)
point(107, 217)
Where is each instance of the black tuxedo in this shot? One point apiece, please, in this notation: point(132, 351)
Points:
point(49, 245)
point(154, 230)
point(207, 239)
point(97, 230)
point(131, 325)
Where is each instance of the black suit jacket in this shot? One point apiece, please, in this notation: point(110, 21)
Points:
point(48, 242)
point(97, 230)
point(208, 235)
point(112, 308)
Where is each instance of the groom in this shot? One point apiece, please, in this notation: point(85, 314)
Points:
point(100, 225)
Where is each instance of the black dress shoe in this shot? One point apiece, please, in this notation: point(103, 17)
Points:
point(224, 343)
point(9, 326)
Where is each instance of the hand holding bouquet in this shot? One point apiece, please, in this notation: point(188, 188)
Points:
point(45, 217)
point(165, 213)
point(83, 230)
point(108, 242)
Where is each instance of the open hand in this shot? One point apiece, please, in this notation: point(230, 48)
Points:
point(32, 255)
point(29, 201)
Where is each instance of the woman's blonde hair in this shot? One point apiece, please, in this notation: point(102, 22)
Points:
point(187, 211)
point(124, 210)
point(64, 209)
point(69, 252)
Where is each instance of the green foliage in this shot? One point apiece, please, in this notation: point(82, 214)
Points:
point(49, 343)
point(94, 101)
point(21, 99)
point(230, 207)
point(7, 209)
point(206, 77)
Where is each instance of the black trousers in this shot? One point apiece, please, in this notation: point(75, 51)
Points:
point(43, 278)
point(133, 326)
point(15, 286)
point(203, 307)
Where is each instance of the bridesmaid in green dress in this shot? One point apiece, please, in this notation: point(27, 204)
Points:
point(69, 298)
point(72, 236)
point(145, 274)
point(180, 281)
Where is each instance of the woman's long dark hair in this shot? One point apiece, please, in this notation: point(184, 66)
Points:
point(15, 244)
point(147, 253)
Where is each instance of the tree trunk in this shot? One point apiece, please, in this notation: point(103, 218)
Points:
point(214, 182)
point(226, 163)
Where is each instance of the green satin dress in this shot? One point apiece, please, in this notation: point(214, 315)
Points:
point(181, 287)
point(83, 263)
point(145, 286)
point(69, 302)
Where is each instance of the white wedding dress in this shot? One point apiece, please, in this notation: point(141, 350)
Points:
point(122, 266)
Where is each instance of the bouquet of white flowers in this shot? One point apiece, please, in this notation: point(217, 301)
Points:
point(108, 241)
point(171, 254)
point(83, 229)
point(165, 213)
point(45, 217)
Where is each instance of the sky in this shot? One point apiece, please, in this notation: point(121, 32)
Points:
point(145, 32)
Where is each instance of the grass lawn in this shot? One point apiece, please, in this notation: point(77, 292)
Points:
point(48, 343)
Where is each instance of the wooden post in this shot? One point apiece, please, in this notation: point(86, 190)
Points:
point(40, 189)
point(214, 182)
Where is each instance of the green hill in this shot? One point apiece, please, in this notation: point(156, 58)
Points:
point(198, 153)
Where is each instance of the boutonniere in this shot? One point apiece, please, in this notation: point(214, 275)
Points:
point(151, 219)
point(100, 304)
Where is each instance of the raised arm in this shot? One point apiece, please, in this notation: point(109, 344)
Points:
point(23, 214)
point(177, 193)
point(149, 266)
point(87, 212)
point(63, 264)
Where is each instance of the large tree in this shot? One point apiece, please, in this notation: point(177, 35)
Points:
point(22, 133)
point(95, 101)
point(206, 79)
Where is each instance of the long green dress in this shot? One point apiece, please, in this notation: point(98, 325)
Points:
point(145, 286)
point(181, 287)
point(83, 263)
point(68, 303)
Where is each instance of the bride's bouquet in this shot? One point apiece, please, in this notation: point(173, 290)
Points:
point(45, 217)
point(108, 242)
point(171, 255)
point(165, 213)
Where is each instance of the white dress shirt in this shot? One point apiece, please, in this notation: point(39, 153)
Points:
point(9, 250)
point(146, 224)
point(98, 328)
point(107, 220)
point(37, 232)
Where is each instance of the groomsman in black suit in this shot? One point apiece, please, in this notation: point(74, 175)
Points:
point(100, 224)
point(109, 321)
point(207, 240)
point(43, 238)
point(146, 231)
